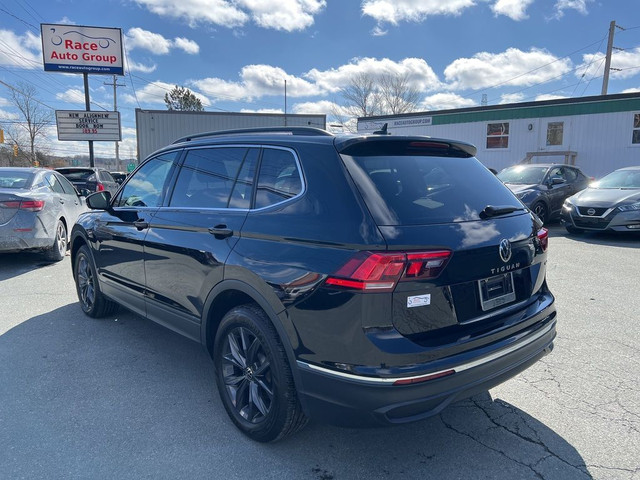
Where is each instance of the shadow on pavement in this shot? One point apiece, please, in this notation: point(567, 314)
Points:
point(124, 398)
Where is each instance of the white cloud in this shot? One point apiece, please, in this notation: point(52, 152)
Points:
point(262, 110)
point(322, 107)
point(631, 90)
point(395, 11)
point(579, 5)
point(137, 38)
point(153, 42)
point(512, 67)
point(131, 66)
point(445, 101)
point(4, 102)
point(287, 15)
point(418, 71)
point(6, 115)
point(257, 81)
point(514, 9)
point(188, 46)
point(624, 64)
point(20, 51)
point(511, 98)
point(72, 95)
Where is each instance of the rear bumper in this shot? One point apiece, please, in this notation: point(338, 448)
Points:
point(353, 400)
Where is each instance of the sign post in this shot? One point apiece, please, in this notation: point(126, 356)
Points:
point(81, 49)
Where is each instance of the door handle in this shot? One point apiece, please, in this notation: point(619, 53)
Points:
point(220, 232)
point(141, 224)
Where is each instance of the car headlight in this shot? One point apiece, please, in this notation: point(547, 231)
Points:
point(567, 205)
point(524, 193)
point(630, 207)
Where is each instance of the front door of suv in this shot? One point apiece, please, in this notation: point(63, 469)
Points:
point(192, 235)
point(120, 231)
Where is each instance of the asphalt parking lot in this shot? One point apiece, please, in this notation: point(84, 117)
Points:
point(125, 398)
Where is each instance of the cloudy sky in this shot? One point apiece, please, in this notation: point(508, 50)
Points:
point(236, 54)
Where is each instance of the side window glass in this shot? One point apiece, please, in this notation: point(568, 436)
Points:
point(207, 177)
point(107, 176)
point(146, 187)
point(243, 188)
point(279, 178)
point(570, 174)
point(54, 183)
point(66, 185)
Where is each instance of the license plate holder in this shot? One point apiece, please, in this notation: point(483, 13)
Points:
point(496, 291)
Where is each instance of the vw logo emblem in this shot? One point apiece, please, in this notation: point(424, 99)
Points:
point(591, 211)
point(505, 250)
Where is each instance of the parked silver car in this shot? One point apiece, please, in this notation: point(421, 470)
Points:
point(38, 207)
point(612, 203)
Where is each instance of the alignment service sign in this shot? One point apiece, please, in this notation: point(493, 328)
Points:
point(80, 125)
point(75, 49)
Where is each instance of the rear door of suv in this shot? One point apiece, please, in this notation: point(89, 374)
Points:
point(192, 234)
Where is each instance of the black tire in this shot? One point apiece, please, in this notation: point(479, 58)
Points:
point(540, 209)
point(572, 229)
point(92, 300)
point(58, 250)
point(254, 377)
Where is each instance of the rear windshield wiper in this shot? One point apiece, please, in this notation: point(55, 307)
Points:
point(496, 210)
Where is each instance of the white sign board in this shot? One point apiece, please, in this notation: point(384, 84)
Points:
point(79, 125)
point(76, 49)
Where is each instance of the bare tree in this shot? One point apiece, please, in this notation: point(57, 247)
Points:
point(35, 116)
point(361, 96)
point(397, 95)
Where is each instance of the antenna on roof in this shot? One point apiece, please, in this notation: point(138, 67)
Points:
point(382, 131)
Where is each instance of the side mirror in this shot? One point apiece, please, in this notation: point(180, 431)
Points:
point(99, 200)
point(557, 181)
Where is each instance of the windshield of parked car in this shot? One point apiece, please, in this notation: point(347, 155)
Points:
point(421, 190)
point(15, 179)
point(619, 179)
point(523, 174)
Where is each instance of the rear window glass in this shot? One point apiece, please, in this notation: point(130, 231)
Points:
point(79, 175)
point(13, 179)
point(419, 190)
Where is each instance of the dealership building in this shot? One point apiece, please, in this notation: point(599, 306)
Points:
point(599, 133)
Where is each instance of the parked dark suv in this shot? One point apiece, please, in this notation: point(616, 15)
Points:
point(544, 187)
point(87, 180)
point(354, 279)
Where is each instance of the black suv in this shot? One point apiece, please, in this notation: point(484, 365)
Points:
point(355, 279)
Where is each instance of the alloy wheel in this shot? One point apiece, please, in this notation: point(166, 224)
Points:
point(86, 285)
point(247, 375)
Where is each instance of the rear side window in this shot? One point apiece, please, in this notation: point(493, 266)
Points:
point(146, 187)
point(279, 178)
point(208, 176)
point(419, 190)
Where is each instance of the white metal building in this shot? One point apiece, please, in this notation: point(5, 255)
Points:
point(599, 133)
point(158, 128)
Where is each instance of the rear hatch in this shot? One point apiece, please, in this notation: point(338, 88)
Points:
point(81, 178)
point(472, 250)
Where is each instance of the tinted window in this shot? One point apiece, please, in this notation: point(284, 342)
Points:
point(207, 177)
point(524, 174)
point(418, 190)
point(78, 174)
point(279, 178)
point(243, 188)
point(106, 176)
point(147, 185)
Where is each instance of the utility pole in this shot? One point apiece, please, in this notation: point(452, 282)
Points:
point(285, 103)
point(115, 84)
point(607, 64)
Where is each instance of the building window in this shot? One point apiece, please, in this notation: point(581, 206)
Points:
point(554, 133)
point(498, 135)
point(635, 139)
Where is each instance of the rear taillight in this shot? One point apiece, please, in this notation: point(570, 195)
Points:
point(381, 272)
point(543, 239)
point(30, 205)
point(100, 187)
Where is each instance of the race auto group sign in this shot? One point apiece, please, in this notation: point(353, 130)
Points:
point(81, 125)
point(76, 49)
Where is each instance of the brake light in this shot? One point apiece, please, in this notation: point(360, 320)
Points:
point(100, 187)
point(30, 205)
point(381, 272)
point(543, 239)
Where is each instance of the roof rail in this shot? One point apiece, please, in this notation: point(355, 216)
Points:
point(310, 131)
